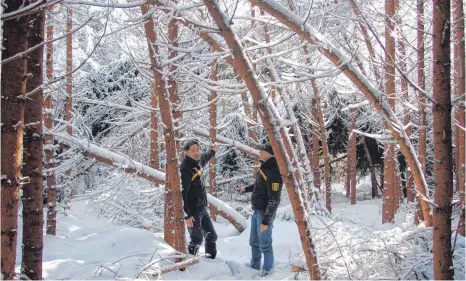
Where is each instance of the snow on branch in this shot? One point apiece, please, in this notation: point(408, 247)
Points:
point(356, 105)
point(132, 167)
point(240, 146)
point(226, 211)
point(112, 158)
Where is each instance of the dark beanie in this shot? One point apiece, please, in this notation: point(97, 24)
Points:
point(265, 147)
point(188, 144)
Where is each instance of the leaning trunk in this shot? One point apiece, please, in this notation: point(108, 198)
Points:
point(244, 69)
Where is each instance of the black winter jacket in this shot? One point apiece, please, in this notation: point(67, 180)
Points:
point(266, 190)
point(193, 189)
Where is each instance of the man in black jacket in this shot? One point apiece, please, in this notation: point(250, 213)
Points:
point(266, 191)
point(195, 199)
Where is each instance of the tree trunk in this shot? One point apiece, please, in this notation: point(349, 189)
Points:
point(154, 131)
point(422, 101)
point(326, 155)
point(301, 157)
point(13, 92)
point(315, 145)
point(352, 144)
point(367, 40)
point(389, 186)
point(213, 135)
point(244, 69)
point(48, 138)
point(33, 215)
point(459, 78)
point(361, 82)
point(69, 94)
point(407, 114)
point(443, 167)
point(176, 237)
point(349, 160)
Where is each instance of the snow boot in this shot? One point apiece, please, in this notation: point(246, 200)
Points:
point(211, 250)
point(193, 249)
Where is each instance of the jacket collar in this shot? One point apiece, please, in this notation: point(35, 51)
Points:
point(190, 161)
point(271, 163)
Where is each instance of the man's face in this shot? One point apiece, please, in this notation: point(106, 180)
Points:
point(194, 152)
point(264, 156)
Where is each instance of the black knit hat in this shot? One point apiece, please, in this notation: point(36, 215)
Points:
point(188, 144)
point(265, 147)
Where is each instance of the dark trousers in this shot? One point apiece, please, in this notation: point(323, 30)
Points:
point(202, 228)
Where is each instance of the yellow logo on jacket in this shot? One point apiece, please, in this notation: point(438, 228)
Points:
point(275, 186)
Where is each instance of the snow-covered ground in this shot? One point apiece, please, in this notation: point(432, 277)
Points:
point(353, 245)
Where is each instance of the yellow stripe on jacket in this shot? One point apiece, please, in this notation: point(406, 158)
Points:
point(196, 174)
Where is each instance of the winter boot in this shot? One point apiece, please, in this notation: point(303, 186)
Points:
point(193, 249)
point(211, 250)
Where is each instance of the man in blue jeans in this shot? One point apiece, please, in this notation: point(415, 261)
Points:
point(195, 199)
point(266, 191)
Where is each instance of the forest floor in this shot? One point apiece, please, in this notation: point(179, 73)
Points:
point(87, 247)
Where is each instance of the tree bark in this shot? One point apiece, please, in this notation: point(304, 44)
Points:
point(407, 114)
point(326, 154)
point(13, 90)
point(459, 78)
point(170, 224)
point(48, 139)
point(360, 81)
point(154, 131)
point(33, 215)
point(443, 167)
point(422, 101)
point(244, 69)
point(352, 166)
point(315, 145)
point(176, 236)
point(389, 185)
point(69, 94)
point(213, 135)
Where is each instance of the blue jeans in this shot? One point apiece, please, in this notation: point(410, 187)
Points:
point(261, 243)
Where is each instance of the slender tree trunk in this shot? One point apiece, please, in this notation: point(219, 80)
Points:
point(443, 167)
point(352, 170)
point(48, 138)
point(33, 215)
point(176, 115)
point(69, 100)
point(326, 154)
point(367, 40)
point(315, 145)
point(213, 135)
point(374, 189)
point(459, 78)
point(349, 160)
point(360, 81)
point(13, 90)
point(422, 101)
point(301, 156)
point(154, 132)
point(243, 66)
point(388, 208)
point(407, 115)
point(177, 236)
point(269, 51)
